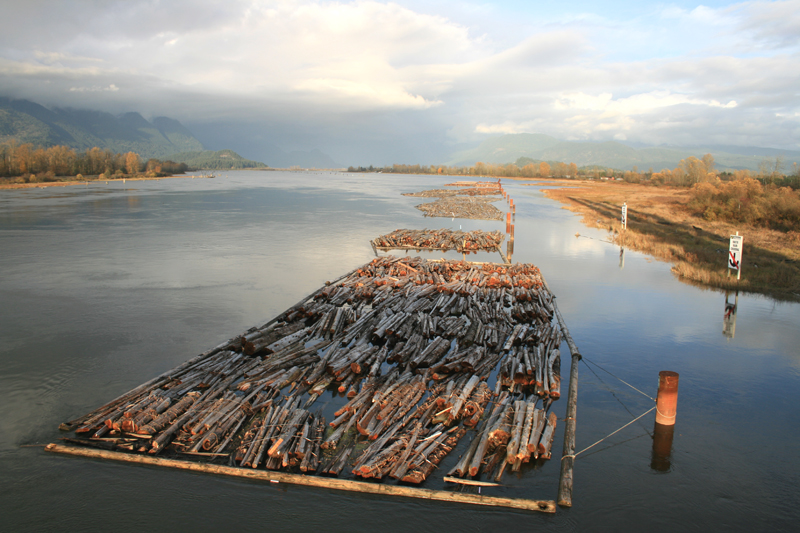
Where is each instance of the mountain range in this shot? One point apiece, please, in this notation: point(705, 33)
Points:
point(161, 137)
point(167, 138)
point(509, 148)
point(29, 122)
point(220, 160)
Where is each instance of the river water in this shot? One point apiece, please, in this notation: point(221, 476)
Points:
point(106, 285)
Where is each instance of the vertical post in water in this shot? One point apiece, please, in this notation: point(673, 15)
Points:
point(664, 428)
point(662, 447)
point(667, 399)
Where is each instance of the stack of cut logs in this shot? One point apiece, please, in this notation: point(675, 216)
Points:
point(416, 353)
point(445, 193)
point(442, 239)
point(462, 207)
point(493, 185)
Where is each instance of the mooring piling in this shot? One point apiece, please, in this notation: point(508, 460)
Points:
point(667, 399)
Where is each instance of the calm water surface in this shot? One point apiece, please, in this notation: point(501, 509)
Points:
point(104, 286)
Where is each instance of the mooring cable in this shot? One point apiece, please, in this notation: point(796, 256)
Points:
point(620, 401)
point(616, 444)
point(622, 380)
point(614, 395)
point(574, 455)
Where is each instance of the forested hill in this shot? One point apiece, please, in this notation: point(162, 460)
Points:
point(210, 160)
point(29, 122)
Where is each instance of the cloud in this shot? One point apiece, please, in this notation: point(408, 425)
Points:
point(58, 58)
point(775, 24)
point(94, 89)
point(632, 105)
point(370, 78)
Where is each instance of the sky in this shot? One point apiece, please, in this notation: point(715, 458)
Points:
point(373, 82)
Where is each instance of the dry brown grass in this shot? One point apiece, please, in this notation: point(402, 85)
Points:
point(10, 183)
point(660, 224)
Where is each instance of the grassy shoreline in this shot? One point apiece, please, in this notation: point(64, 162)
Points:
point(661, 225)
point(67, 181)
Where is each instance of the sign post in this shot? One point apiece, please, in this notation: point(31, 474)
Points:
point(735, 254)
point(624, 215)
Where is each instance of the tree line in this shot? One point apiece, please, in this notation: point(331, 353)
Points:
point(689, 172)
point(510, 170)
point(29, 163)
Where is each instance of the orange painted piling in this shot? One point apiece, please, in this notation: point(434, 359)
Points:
point(667, 399)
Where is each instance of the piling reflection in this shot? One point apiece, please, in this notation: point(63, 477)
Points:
point(729, 318)
point(621, 257)
point(660, 459)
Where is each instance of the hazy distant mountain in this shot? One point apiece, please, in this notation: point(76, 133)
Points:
point(505, 149)
point(261, 142)
point(29, 122)
point(509, 148)
point(210, 160)
point(309, 159)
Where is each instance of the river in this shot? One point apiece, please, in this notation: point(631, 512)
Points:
point(104, 286)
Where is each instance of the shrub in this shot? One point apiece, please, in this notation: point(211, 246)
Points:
point(747, 201)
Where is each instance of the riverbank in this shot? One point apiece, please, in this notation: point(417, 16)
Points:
point(661, 225)
point(5, 183)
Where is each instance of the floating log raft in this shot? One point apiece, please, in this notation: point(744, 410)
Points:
point(491, 185)
point(442, 239)
point(493, 190)
point(411, 346)
point(462, 207)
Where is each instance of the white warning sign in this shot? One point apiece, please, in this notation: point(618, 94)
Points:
point(735, 252)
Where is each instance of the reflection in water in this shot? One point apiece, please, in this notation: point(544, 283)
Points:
point(662, 447)
point(621, 257)
point(729, 319)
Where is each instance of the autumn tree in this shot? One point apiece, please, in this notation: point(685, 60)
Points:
point(573, 170)
point(544, 169)
point(528, 170)
point(560, 169)
point(708, 161)
point(21, 158)
point(132, 163)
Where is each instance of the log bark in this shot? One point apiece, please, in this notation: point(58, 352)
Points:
point(546, 442)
